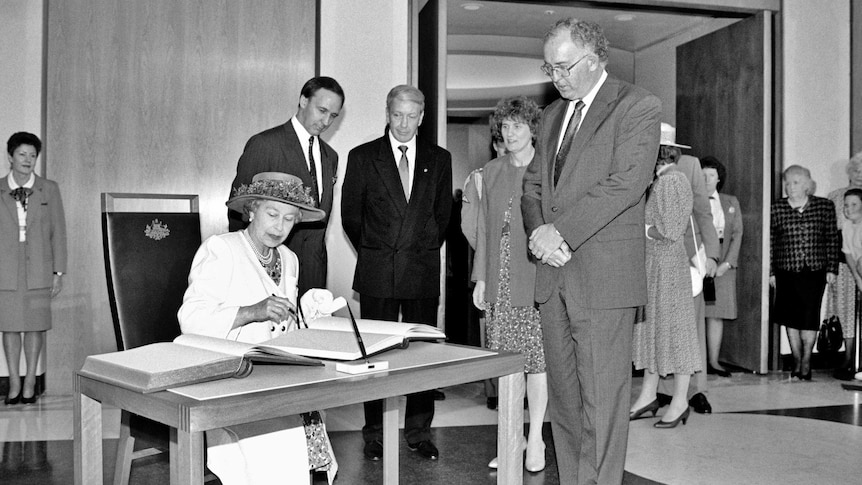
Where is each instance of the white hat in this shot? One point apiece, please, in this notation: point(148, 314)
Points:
point(668, 136)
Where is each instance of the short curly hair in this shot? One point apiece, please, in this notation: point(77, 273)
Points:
point(711, 162)
point(23, 138)
point(588, 35)
point(516, 108)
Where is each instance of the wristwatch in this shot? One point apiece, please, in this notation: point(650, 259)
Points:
point(58, 273)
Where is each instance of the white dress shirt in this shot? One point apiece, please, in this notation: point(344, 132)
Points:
point(22, 213)
point(411, 156)
point(717, 214)
point(303, 136)
point(570, 108)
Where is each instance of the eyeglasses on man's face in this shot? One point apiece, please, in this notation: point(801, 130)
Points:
point(561, 71)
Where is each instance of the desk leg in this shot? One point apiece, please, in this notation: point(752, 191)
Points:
point(187, 457)
point(88, 440)
point(390, 441)
point(510, 429)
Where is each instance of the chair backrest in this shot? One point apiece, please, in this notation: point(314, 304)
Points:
point(147, 260)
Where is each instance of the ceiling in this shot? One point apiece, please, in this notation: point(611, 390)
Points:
point(495, 48)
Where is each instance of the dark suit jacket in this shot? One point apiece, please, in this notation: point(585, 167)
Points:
point(598, 203)
point(397, 244)
point(46, 236)
point(278, 149)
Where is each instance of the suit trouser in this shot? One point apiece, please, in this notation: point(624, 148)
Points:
point(420, 406)
point(589, 355)
point(698, 380)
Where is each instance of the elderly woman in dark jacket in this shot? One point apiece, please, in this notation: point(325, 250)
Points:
point(33, 245)
point(803, 258)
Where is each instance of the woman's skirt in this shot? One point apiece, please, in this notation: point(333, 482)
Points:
point(24, 310)
point(798, 297)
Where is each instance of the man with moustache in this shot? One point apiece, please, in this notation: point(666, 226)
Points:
point(296, 148)
point(395, 207)
point(583, 207)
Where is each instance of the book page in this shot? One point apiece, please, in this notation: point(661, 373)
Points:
point(255, 352)
point(328, 344)
point(215, 344)
point(406, 330)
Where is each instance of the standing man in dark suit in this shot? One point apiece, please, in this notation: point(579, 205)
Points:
point(296, 148)
point(583, 207)
point(395, 206)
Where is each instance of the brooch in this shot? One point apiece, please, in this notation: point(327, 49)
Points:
point(731, 210)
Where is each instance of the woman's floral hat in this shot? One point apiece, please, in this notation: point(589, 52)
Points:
point(280, 187)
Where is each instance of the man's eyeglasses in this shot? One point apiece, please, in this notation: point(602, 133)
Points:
point(550, 70)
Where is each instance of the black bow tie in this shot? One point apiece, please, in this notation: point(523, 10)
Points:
point(21, 194)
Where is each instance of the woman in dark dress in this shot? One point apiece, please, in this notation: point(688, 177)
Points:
point(803, 258)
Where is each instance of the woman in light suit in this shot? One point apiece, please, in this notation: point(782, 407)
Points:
point(727, 219)
point(33, 248)
point(242, 286)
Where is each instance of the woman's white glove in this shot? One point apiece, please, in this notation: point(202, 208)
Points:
point(318, 302)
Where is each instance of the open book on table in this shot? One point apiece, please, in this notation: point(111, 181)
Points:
point(189, 359)
point(333, 337)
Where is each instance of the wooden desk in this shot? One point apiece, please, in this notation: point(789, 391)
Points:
point(421, 367)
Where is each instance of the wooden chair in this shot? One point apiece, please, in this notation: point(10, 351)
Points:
point(147, 260)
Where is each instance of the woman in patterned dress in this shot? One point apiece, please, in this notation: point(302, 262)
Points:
point(242, 286)
point(841, 299)
point(803, 257)
point(666, 341)
point(504, 273)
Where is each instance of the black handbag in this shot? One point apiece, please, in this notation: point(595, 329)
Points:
point(831, 337)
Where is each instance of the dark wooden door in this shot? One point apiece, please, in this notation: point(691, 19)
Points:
point(724, 99)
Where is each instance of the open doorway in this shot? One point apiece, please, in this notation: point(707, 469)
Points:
point(493, 50)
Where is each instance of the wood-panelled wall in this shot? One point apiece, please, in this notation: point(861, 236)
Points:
point(156, 97)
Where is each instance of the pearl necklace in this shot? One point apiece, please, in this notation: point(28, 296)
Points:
point(264, 260)
point(273, 270)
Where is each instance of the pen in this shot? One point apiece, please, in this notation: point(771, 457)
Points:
point(358, 335)
point(293, 312)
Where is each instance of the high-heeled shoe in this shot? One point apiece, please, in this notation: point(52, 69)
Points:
point(718, 372)
point(795, 374)
point(29, 400)
point(523, 447)
point(537, 465)
point(10, 401)
point(638, 414)
point(805, 377)
point(672, 424)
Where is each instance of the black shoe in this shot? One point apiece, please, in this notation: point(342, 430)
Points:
point(426, 449)
point(492, 402)
point(10, 401)
point(699, 403)
point(29, 400)
point(373, 450)
point(437, 395)
point(806, 376)
point(844, 374)
point(651, 407)
point(718, 372)
point(663, 399)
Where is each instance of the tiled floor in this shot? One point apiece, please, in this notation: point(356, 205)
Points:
point(764, 430)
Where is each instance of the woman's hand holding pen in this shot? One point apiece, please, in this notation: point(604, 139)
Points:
point(272, 308)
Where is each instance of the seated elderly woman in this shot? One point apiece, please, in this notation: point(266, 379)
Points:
point(242, 286)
